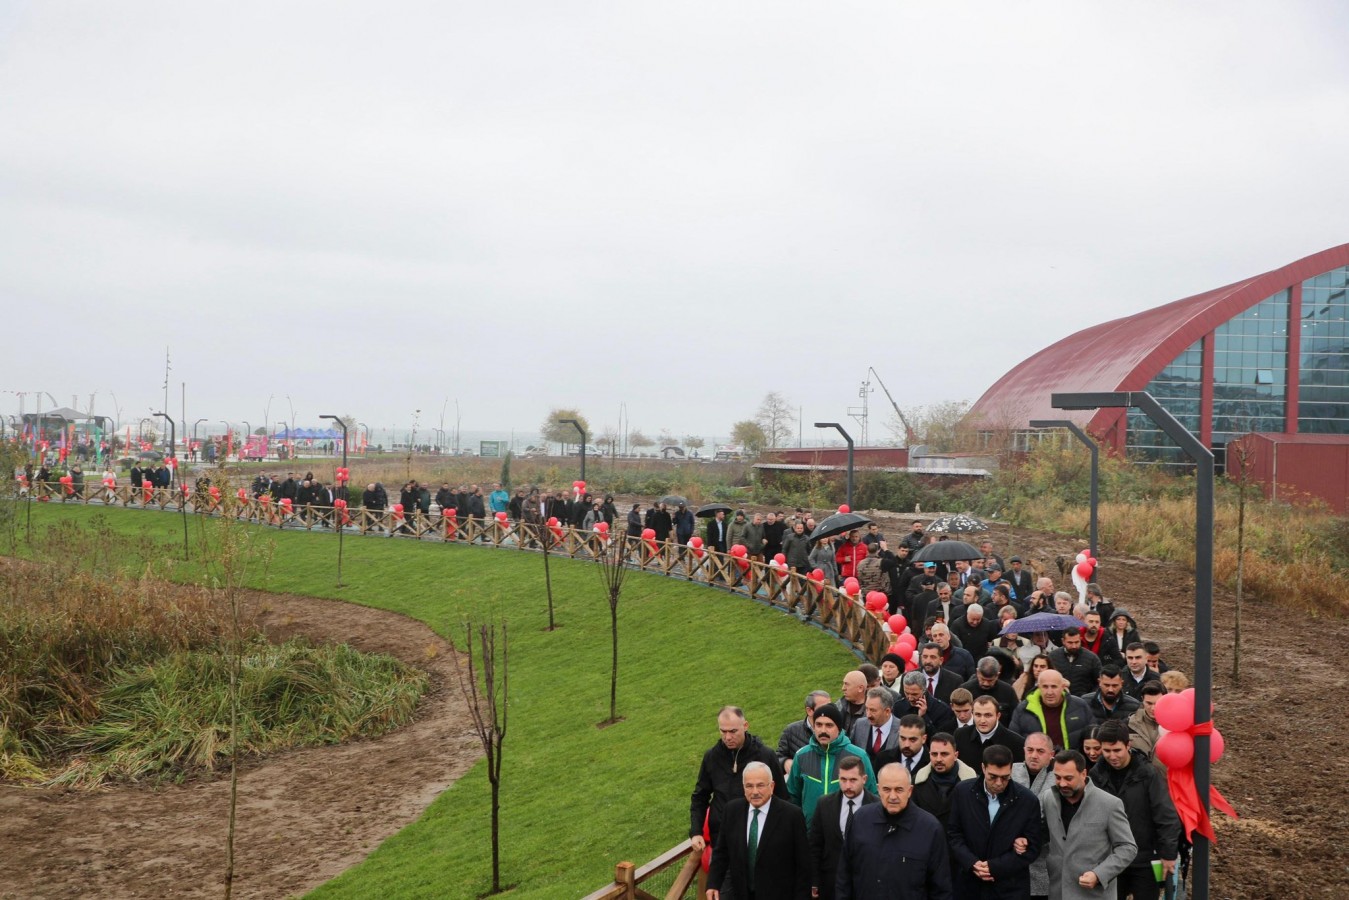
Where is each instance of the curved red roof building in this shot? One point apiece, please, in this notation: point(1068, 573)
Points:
point(1266, 354)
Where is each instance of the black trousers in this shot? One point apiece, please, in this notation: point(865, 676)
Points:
point(1138, 882)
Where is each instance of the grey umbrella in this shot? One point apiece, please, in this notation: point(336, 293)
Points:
point(946, 551)
point(711, 509)
point(673, 500)
point(959, 523)
point(838, 523)
point(1040, 622)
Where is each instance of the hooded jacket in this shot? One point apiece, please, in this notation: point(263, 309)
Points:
point(719, 780)
point(815, 771)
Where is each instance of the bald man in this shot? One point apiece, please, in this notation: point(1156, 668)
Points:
point(853, 703)
point(1052, 710)
point(893, 849)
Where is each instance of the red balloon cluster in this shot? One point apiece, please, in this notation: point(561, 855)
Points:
point(851, 586)
point(501, 519)
point(68, 484)
point(696, 545)
point(242, 494)
point(877, 601)
point(397, 512)
point(739, 552)
point(149, 491)
point(556, 528)
point(1175, 750)
point(287, 503)
point(340, 506)
point(1086, 565)
point(343, 475)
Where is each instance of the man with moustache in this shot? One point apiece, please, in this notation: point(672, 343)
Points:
point(1090, 842)
point(762, 851)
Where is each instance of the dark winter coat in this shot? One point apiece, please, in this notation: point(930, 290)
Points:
point(719, 781)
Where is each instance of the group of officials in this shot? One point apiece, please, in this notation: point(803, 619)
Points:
point(877, 803)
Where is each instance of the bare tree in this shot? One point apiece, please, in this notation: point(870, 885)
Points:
point(547, 540)
point(775, 417)
point(613, 571)
point(1243, 455)
point(488, 705)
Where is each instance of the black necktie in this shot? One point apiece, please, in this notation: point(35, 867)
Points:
point(848, 821)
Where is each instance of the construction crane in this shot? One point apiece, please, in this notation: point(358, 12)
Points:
point(908, 429)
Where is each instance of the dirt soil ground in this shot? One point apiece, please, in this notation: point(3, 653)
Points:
point(304, 817)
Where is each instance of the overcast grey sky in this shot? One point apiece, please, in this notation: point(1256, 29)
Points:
point(375, 207)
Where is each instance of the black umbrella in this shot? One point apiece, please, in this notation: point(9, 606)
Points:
point(956, 524)
point(711, 509)
point(838, 523)
point(673, 500)
point(946, 551)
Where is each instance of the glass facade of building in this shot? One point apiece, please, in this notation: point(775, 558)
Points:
point(1323, 391)
point(1176, 388)
point(1250, 371)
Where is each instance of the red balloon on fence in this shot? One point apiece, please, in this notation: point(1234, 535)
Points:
point(601, 527)
point(877, 601)
point(647, 533)
point(816, 575)
point(501, 517)
point(149, 490)
point(908, 641)
point(242, 495)
point(286, 504)
point(696, 545)
point(214, 492)
point(742, 563)
point(780, 559)
point(739, 551)
point(897, 623)
point(397, 511)
point(343, 516)
point(851, 584)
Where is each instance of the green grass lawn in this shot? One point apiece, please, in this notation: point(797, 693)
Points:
point(575, 799)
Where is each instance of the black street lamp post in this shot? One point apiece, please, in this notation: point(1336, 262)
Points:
point(337, 515)
point(1095, 467)
point(182, 499)
point(1203, 584)
point(847, 437)
point(583, 443)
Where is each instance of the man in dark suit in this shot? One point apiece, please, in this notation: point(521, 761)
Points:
point(912, 744)
point(940, 682)
point(879, 731)
point(987, 682)
point(986, 730)
point(832, 815)
point(1023, 582)
point(994, 832)
point(913, 699)
point(716, 532)
point(762, 852)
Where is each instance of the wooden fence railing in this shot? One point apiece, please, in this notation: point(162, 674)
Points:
point(822, 605)
point(658, 879)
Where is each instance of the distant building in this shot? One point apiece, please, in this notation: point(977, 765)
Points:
point(1268, 354)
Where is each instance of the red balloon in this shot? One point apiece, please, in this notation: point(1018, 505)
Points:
point(739, 550)
point(742, 563)
point(1175, 749)
point(695, 542)
point(1216, 746)
point(876, 601)
point(450, 512)
point(852, 590)
point(552, 520)
point(647, 533)
point(898, 623)
point(851, 582)
point(908, 640)
point(1083, 569)
point(844, 508)
point(780, 559)
point(601, 527)
point(816, 575)
point(1175, 712)
point(501, 517)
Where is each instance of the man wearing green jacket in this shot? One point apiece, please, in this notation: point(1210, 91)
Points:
point(815, 767)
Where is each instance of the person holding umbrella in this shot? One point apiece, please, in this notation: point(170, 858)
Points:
point(683, 523)
point(850, 552)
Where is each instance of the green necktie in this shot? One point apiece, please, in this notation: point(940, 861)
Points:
point(753, 845)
